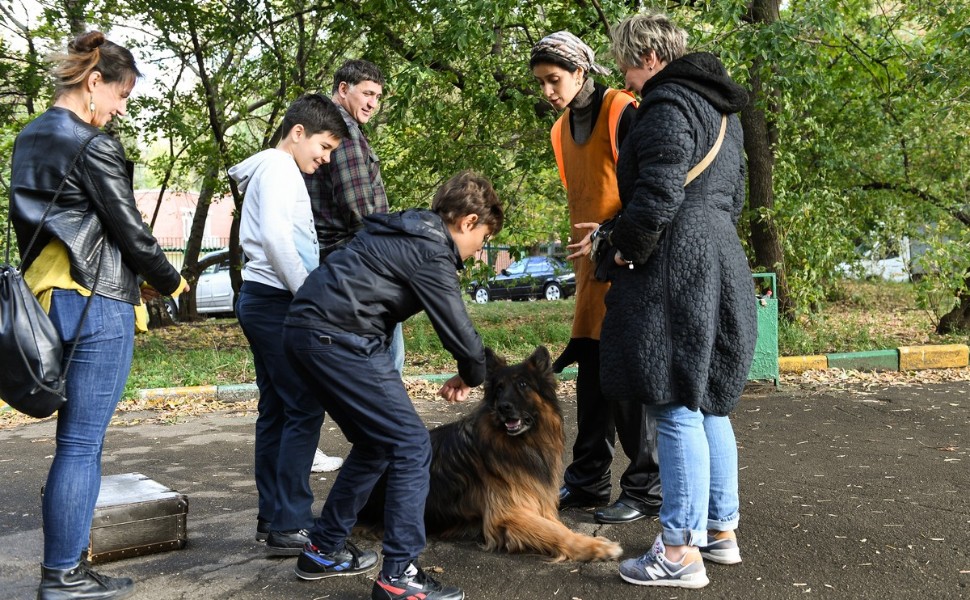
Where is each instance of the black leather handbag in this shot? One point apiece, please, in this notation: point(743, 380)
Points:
point(33, 374)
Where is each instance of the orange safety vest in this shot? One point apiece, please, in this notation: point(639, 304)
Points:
point(617, 107)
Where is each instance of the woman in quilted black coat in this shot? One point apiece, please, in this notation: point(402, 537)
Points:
point(680, 323)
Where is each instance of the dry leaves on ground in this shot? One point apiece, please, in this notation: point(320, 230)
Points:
point(169, 409)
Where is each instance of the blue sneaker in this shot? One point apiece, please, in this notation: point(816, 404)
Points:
point(654, 569)
point(349, 560)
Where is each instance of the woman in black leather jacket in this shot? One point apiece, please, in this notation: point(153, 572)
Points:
point(93, 242)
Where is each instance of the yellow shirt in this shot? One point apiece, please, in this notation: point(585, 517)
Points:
point(52, 270)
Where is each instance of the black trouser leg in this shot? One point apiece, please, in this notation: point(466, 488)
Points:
point(589, 472)
point(637, 431)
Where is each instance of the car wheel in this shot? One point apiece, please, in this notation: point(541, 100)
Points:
point(172, 309)
point(553, 292)
point(481, 295)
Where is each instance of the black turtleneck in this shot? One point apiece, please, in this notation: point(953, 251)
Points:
point(585, 109)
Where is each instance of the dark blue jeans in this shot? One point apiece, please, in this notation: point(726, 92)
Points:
point(95, 382)
point(289, 415)
point(363, 392)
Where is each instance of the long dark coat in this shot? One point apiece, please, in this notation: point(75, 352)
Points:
point(681, 325)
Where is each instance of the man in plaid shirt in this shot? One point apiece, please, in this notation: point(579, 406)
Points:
point(350, 187)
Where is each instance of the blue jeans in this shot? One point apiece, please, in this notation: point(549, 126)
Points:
point(363, 393)
point(289, 415)
point(95, 381)
point(699, 471)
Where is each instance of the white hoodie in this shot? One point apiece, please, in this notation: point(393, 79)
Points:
point(276, 231)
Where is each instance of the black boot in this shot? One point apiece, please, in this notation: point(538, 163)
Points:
point(82, 583)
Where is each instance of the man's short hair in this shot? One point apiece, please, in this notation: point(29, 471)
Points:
point(356, 70)
point(468, 193)
point(316, 113)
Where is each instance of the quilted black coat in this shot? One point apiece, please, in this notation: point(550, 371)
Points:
point(681, 325)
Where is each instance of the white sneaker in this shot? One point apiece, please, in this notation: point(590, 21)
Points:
point(323, 463)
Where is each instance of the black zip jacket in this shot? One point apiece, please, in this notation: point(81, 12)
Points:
point(95, 211)
point(400, 264)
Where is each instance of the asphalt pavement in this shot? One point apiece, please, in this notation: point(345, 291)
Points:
point(855, 492)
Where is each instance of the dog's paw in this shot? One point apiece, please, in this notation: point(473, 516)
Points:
point(607, 549)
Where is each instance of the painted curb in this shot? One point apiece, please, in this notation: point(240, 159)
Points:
point(880, 360)
point(912, 358)
point(800, 364)
point(232, 392)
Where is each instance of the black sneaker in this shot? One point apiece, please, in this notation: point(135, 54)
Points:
point(415, 583)
point(286, 543)
point(314, 564)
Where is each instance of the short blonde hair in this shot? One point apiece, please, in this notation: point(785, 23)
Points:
point(634, 37)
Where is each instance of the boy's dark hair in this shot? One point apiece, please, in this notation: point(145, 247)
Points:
point(356, 70)
point(468, 193)
point(316, 113)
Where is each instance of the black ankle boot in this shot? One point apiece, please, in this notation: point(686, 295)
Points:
point(82, 583)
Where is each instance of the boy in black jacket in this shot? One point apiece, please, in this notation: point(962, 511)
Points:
point(337, 334)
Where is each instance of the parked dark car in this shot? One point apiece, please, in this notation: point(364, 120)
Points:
point(532, 277)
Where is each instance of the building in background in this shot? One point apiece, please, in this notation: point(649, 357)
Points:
point(175, 218)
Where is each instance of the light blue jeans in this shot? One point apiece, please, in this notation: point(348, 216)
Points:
point(699, 473)
point(95, 382)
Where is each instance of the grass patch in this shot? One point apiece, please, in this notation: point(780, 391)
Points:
point(860, 316)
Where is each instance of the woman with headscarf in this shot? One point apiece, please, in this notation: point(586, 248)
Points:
point(586, 137)
point(680, 325)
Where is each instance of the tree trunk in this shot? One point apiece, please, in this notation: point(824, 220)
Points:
point(957, 319)
point(760, 137)
point(191, 269)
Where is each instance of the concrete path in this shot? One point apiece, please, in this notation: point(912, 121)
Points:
point(852, 493)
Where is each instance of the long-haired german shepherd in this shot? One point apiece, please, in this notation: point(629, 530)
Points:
point(495, 472)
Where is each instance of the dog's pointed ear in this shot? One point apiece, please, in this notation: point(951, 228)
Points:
point(541, 360)
point(493, 361)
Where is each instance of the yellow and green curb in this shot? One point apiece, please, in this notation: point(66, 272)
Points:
point(904, 358)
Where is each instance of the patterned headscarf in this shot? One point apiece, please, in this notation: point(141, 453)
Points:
point(570, 48)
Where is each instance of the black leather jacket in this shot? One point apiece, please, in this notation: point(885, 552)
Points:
point(400, 264)
point(95, 212)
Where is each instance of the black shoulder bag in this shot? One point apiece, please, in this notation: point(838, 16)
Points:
point(33, 377)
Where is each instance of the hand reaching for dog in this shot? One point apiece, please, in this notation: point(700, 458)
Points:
point(454, 390)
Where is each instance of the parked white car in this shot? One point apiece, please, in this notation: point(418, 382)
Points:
point(881, 262)
point(213, 290)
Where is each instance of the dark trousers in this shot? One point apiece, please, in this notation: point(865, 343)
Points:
point(599, 425)
point(362, 391)
point(289, 416)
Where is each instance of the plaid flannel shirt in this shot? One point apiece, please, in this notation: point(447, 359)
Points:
point(346, 190)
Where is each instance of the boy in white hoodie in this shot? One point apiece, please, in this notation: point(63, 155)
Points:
point(278, 237)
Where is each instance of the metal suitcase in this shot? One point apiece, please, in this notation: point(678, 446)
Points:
point(135, 516)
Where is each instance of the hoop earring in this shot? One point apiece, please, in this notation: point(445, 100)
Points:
point(91, 104)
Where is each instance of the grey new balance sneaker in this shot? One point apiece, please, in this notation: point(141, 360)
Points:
point(722, 551)
point(654, 569)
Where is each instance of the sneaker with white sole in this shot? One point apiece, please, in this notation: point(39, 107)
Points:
point(654, 569)
point(414, 584)
point(350, 560)
point(323, 463)
point(724, 551)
